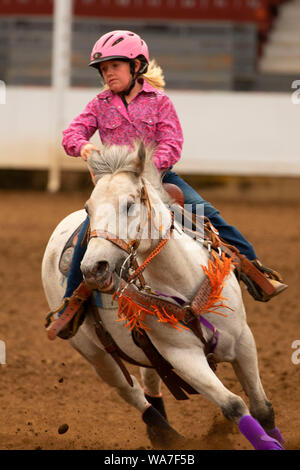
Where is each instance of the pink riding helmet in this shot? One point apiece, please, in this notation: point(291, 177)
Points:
point(119, 45)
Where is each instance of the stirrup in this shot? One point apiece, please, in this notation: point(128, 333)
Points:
point(251, 287)
point(66, 319)
point(268, 271)
point(258, 291)
point(63, 327)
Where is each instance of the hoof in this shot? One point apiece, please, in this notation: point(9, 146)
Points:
point(161, 434)
point(276, 434)
point(268, 443)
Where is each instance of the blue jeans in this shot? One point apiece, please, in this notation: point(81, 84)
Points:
point(228, 232)
point(75, 275)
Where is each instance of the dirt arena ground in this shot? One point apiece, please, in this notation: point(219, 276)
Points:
point(46, 384)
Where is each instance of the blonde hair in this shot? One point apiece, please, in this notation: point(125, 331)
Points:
point(154, 76)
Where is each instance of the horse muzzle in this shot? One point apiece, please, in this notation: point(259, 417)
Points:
point(98, 275)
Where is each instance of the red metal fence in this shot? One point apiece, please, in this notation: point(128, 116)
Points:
point(254, 11)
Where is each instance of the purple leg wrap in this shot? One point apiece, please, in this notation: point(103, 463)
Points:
point(276, 434)
point(255, 434)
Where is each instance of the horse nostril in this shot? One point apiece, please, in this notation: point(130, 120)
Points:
point(101, 268)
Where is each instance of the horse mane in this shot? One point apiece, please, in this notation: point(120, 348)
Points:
point(123, 158)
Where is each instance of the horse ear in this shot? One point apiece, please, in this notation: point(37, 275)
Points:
point(141, 157)
point(92, 163)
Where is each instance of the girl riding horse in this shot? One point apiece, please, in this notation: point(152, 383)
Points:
point(133, 106)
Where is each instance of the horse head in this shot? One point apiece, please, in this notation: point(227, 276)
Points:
point(127, 211)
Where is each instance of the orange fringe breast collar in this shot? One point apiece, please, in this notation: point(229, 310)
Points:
point(134, 313)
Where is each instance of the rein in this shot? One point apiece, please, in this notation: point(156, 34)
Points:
point(153, 253)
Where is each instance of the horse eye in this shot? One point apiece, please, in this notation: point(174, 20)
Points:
point(129, 206)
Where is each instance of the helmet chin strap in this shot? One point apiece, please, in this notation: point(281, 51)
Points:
point(128, 90)
point(133, 81)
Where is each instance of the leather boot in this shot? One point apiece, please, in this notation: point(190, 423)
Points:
point(263, 288)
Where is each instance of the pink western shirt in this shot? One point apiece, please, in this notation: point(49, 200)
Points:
point(150, 117)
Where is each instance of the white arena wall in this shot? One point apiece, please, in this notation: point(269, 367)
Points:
point(237, 133)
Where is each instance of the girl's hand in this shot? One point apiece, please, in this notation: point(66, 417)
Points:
point(87, 150)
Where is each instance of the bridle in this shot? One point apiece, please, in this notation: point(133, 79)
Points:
point(132, 246)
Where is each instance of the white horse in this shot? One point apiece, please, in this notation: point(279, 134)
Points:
point(122, 177)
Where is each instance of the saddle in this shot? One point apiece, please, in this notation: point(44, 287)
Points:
point(68, 250)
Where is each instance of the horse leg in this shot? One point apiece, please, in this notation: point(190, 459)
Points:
point(159, 431)
point(246, 368)
point(159, 435)
point(107, 369)
point(193, 367)
point(152, 388)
